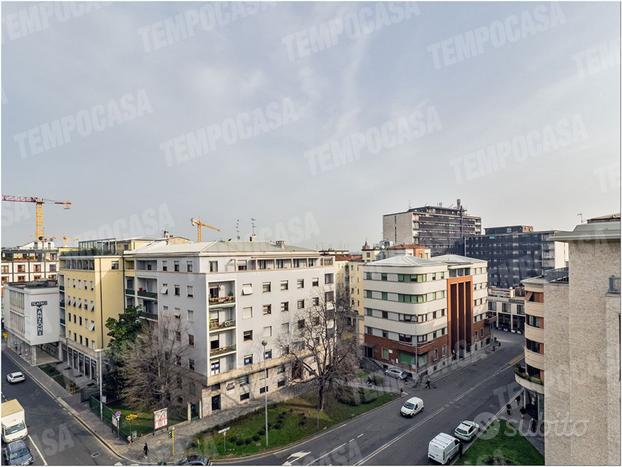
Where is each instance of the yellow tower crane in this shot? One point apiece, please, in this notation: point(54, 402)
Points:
point(199, 224)
point(39, 232)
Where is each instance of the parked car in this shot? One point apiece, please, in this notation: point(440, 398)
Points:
point(443, 448)
point(195, 460)
point(16, 377)
point(467, 430)
point(396, 373)
point(412, 407)
point(17, 453)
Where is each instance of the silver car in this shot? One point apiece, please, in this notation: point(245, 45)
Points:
point(16, 377)
point(466, 431)
point(396, 373)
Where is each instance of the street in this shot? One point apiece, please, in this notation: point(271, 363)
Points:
point(56, 438)
point(383, 437)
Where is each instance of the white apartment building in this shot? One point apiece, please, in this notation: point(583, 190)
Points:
point(30, 262)
point(422, 313)
point(32, 320)
point(232, 298)
point(507, 309)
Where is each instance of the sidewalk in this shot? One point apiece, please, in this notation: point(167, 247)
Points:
point(524, 424)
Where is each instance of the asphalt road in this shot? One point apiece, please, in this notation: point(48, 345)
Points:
point(56, 438)
point(383, 437)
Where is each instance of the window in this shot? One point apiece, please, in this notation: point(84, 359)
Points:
point(285, 328)
point(267, 331)
point(177, 290)
point(164, 289)
point(383, 276)
point(247, 289)
point(248, 359)
point(267, 309)
point(263, 389)
point(190, 315)
point(213, 266)
point(247, 312)
point(242, 265)
point(316, 301)
point(300, 304)
point(301, 324)
point(188, 266)
point(244, 397)
point(243, 380)
point(284, 306)
point(191, 364)
point(248, 335)
point(300, 283)
point(329, 278)
point(280, 369)
point(178, 336)
point(284, 285)
point(190, 291)
point(315, 282)
point(215, 368)
point(176, 266)
point(164, 266)
point(266, 287)
point(114, 265)
point(190, 340)
point(267, 355)
point(281, 383)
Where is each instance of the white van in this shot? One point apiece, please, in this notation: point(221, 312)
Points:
point(443, 448)
point(411, 407)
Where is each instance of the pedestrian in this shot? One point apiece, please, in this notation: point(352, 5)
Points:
point(518, 400)
point(401, 391)
point(508, 407)
point(146, 450)
point(460, 449)
point(427, 384)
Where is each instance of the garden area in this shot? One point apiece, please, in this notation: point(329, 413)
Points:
point(288, 422)
point(507, 447)
point(50, 370)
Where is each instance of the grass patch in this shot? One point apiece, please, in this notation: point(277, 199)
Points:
point(144, 423)
point(57, 376)
point(288, 421)
point(506, 447)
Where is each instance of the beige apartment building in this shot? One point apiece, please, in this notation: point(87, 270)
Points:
point(572, 349)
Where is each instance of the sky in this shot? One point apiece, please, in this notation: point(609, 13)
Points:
point(306, 121)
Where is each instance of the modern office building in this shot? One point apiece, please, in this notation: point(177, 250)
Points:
point(237, 303)
point(32, 320)
point(31, 262)
point(516, 252)
point(442, 229)
point(420, 314)
point(506, 308)
point(572, 347)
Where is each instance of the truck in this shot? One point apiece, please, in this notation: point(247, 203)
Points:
point(13, 421)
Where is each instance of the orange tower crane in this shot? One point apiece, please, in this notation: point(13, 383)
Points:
point(39, 232)
point(199, 224)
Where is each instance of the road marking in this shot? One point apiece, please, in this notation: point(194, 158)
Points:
point(441, 409)
point(324, 455)
point(296, 456)
point(360, 435)
point(38, 451)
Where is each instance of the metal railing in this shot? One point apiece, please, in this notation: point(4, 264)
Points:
point(129, 291)
point(215, 324)
point(222, 350)
point(556, 275)
point(220, 300)
point(144, 293)
point(522, 373)
point(614, 284)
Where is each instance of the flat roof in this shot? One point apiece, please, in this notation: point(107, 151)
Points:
point(219, 247)
point(590, 232)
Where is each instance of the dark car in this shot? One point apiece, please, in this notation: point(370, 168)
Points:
point(17, 453)
point(195, 460)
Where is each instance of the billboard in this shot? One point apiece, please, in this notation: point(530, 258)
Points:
point(160, 419)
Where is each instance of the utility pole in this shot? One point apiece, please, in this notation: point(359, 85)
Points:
point(101, 404)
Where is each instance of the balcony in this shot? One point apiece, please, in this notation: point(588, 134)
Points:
point(222, 350)
point(129, 291)
point(146, 294)
point(216, 325)
point(533, 383)
point(215, 301)
point(614, 285)
point(149, 315)
point(557, 275)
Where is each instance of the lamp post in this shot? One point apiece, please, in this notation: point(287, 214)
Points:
point(265, 393)
point(101, 404)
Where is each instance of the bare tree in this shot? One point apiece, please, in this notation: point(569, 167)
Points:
point(152, 365)
point(322, 344)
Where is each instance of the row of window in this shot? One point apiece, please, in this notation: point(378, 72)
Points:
point(534, 346)
point(406, 338)
point(22, 268)
point(405, 298)
point(433, 276)
point(86, 285)
point(75, 302)
point(419, 318)
point(534, 321)
point(177, 290)
point(300, 283)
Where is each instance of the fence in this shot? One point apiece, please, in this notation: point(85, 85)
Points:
point(141, 425)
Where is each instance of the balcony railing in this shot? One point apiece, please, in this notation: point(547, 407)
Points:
point(521, 372)
point(222, 350)
point(129, 291)
point(148, 315)
point(215, 324)
point(145, 294)
point(614, 284)
point(557, 275)
point(221, 300)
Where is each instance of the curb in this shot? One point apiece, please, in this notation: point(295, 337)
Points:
point(229, 460)
point(71, 411)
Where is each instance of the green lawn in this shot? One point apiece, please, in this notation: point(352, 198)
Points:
point(143, 424)
point(288, 422)
point(57, 376)
point(507, 447)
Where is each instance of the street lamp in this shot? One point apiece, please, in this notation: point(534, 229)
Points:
point(265, 392)
point(101, 404)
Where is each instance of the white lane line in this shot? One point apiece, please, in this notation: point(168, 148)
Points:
point(441, 409)
point(324, 455)
point(37, 448)
point(360, 435)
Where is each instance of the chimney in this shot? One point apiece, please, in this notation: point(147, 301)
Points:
point(252, 238)
point(280, 243)
point(458, 203)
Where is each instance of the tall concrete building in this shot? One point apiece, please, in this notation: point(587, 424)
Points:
point(442, 229)
point(516, 252)
point(422, 313)
point(573, 347)
point(237, 302)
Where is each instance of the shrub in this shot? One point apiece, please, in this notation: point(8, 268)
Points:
point(261, 432)
point(278, 425)
point(248, 441)
point(256, 437)
point(239, 442)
